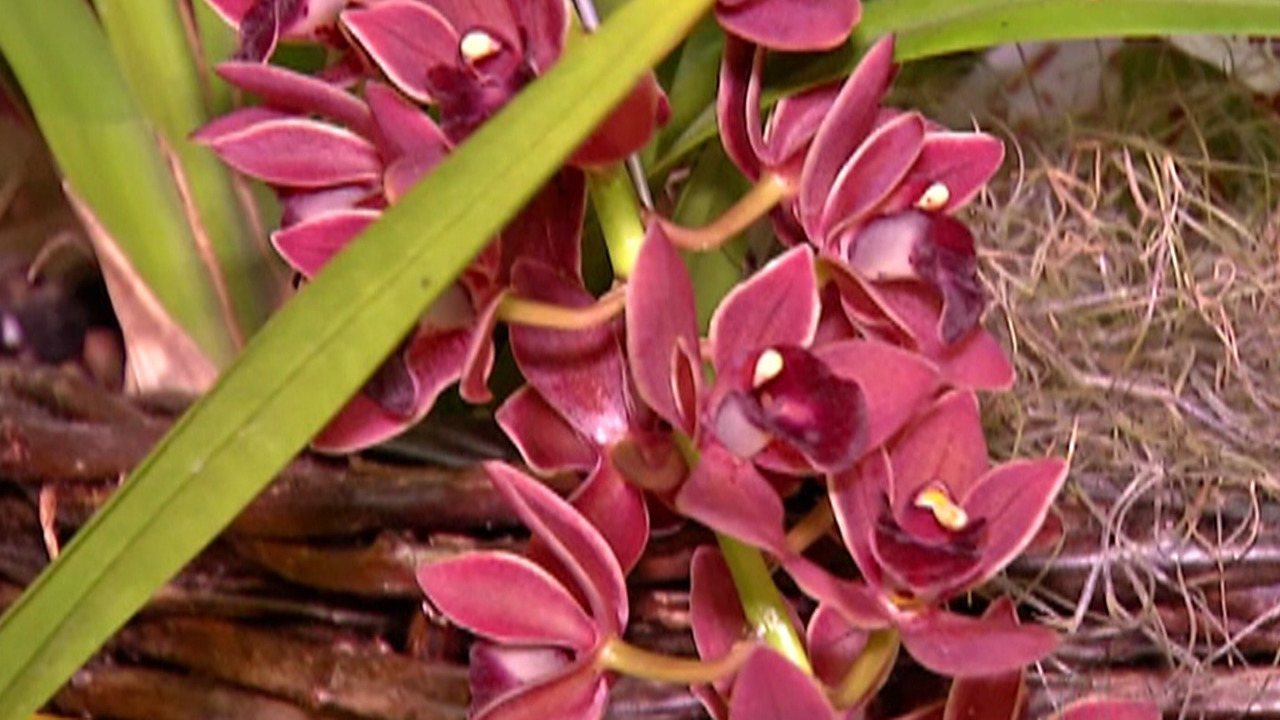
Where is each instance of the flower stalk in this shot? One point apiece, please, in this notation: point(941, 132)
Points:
point(771, 189)
point(619, 214)
point(622, 657)
point(762, 603)
point(516, 310)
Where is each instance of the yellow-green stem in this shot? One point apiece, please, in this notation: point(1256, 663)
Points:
point(869, 670)
point(762, 603)
point(619, 214)
point(622, 657)
point(760, 199)
point(515, 310)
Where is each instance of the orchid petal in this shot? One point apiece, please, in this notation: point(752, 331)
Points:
point(298, 206)
point(771, 687)
point(617, 509)
point(978, 362)
point(295, 152)
point(628, 128)
point(295, 92)
point(492, 15)
point(262, 24)
point(579, 693)
point(573, 540)
point(1015, 498)
point(730, 496)
point(496, 670)
point(434, 359)
point(473, 386)
point(894, 382)
point(834, 645)
point(961, 162)
point(989, 697)
point(735, 118)
point(714, 609)
point(851, 118)
point(545, 26)
point(581, 373)
point(308, 245)
point(794, 25)
point(231, 11)
point(662, 332)
point(876, 168)
point(490, 594)
point(855, 502)
point(402, 128)
point(961, 646)
point(405, 39)
point(859, 605)
point(549, 229)
point(545, 440)
point(945, 447)
point(776, 306)
point(792, 126)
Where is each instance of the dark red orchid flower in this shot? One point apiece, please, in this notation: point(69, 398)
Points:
point(469, 58)
point(790, 24)
point(870, 188)
point(262, 24)
point(339, 160)
point(779, 400)
point(928, 518)
point(542, 626)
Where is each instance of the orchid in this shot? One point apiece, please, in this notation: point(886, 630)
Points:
point(262, 24)
point(539, 664)
point(469, 59)
point(780, 399)
point(790, 24)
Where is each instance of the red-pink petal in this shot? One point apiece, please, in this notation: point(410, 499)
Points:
point(714, 609)
point(295, 152)
point(833, 644)
point(579, 692)
point(572, 540)
point(618, 510)
point(434, 359)
point(989, 697)
point(474, 384)
point(295, 92)
point(944, 447)
point(730, 496)
point(962, 162)
point(873, 172)
point(1014, 498)
point(792, 126)
point(549, 229)
point(662, 332)
point(859, 605)
point(794, 25)
point(771, 687)
point(405, 39)
point(736, 119)
point(581, 373)
point(308, 245)
point(544, 25)
point(491, 593)
point(402, 127)
point(961, 646)
point(776, 306)
point(544, 439)
point(851, 118)
point(628, 127)
point(895, 382)
point(856, 500)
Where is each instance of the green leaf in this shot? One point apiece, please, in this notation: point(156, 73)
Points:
point(315, 354)
point(928, 28)
point(106, 150)
point(152, 50)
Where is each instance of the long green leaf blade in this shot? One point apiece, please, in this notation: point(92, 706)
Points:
point(153, 51)
point(106, 150)
point(313, 355)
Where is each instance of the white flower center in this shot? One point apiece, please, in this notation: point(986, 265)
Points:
point(768, 365)
point(477, 45)
point(935, 197)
